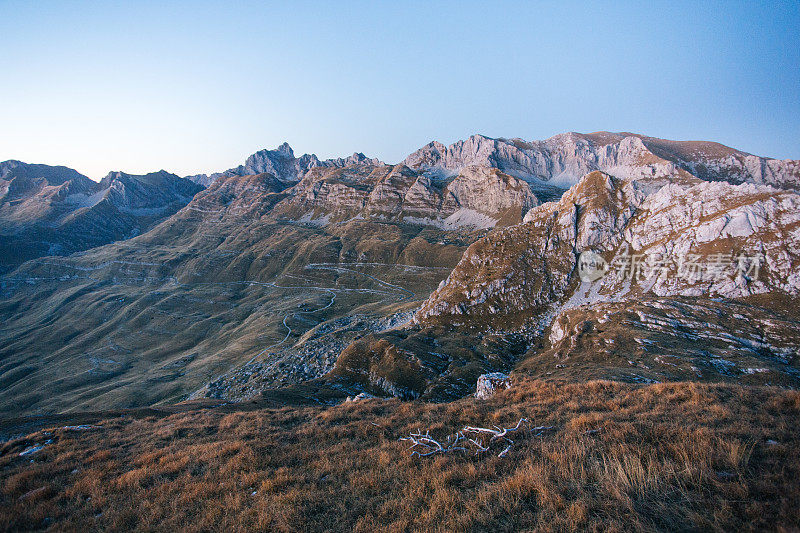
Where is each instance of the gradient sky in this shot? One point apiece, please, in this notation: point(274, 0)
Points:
point(197, 86)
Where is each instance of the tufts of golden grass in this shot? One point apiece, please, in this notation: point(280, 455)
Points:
point(677, 456)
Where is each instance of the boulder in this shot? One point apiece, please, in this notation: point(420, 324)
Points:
point(360, 397)
point(488, 384)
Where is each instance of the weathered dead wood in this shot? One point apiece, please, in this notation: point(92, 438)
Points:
point(423, 445)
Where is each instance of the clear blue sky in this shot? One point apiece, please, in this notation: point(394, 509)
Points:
point(197, 86)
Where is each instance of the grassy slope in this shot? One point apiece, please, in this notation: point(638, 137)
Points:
point(667, 456)
point(155, 318)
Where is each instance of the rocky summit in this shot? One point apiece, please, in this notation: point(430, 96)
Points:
point(282, 164)
point(584, 256)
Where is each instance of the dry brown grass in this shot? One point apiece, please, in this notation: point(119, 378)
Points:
point(678, 456)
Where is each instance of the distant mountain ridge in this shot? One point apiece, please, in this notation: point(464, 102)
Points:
point(46, 210)
point(55, 210)
point(565, 158)
point(560, 160)
point(282, 164)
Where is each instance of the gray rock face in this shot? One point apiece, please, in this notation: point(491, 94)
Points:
point(565, 158)
point(486, 190)
point(477, 197)
point(687, 239)
point(532, 264)
point(204, 180)
point(489, 384)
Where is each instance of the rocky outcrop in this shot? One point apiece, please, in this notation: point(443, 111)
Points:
point(651, 339)
point(489, 384)
point(487, 190)
point(360, 397)
point(381, 368)
point(691, 239)
point(476, 197)
point(518, 271)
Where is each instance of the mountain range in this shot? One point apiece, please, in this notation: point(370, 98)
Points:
point(46, 210)
point(340, 276)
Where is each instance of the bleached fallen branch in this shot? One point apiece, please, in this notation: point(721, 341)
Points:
point(423, 445)
point(497, 432)
point(431, 446)
point(479, 445)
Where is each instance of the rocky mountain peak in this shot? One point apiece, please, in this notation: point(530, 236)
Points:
point(157, 177)
point(282, 163)
point(285, 149)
